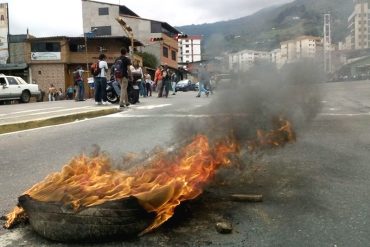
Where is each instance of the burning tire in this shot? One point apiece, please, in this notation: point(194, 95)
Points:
point(119, 219)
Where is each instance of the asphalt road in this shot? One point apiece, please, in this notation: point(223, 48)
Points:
point(315, 190)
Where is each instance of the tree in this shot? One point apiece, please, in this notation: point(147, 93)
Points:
point(149, 60)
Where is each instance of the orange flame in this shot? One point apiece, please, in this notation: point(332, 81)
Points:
point(159, 187)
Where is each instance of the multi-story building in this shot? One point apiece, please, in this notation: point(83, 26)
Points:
point(299, 48)
point(53, 59)
point(308, 46)
point(190, 49)
point(245, 59)
point(288, 51)
point(358, 25)
point(101, 17)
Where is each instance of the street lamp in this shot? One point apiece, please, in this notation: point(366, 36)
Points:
point(128, 31)
point(90, 34)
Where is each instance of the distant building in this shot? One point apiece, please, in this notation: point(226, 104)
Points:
point(299, 48)
point(358, 26)
point(245, 59)
point(190, 49)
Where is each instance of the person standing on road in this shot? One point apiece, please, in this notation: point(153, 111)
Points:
point(148, 84)
point(138, 79)
point(101, 82)
point(52, 92)
point(158, 80)
point(204, 78)
point(79, 82)
point(173, 81)
point(166, 81)
point(123, 77)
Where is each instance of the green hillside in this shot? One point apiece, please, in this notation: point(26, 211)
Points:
point(265, 29)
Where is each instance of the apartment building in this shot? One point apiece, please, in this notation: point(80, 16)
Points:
point(101, 17)
point(358, 26)
point(299, 48)
point(245, 59)
point(190, 49)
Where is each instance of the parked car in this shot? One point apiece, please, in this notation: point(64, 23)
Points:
point(185, 85)
point(15, 88)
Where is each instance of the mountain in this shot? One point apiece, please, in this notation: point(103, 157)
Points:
point(265, 29)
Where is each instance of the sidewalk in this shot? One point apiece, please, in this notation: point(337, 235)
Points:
point(18, 117)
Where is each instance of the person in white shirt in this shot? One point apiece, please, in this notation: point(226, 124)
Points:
point(101, 82)
point(138, 79)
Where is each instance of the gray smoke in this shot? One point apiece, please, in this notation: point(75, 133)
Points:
point(251, 100)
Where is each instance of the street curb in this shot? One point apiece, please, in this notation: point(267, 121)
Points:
point(6, 128)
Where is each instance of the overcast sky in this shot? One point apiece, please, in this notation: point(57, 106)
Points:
point(64, 17)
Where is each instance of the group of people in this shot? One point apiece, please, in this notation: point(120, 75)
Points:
point(123, 72)
point(54, 93)
point(164, 79)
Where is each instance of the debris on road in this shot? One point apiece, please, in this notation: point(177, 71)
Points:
point(246, 198)
point(224, 227)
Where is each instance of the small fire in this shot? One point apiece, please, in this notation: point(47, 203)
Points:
point(160, 185)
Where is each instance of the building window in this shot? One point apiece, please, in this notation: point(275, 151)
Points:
point(173, 55)
point(76, 47)
point(103, 11)
point(2, 18)
point(103, 30)
point(165, 51)
point(187, 51)
point(45, 47)
point(186, 45)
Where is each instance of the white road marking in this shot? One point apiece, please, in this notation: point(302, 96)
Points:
point(345, 114)
point(123, 115)
point(47, 112)
point(150, 107)
point(41, 109)
point(67, 109)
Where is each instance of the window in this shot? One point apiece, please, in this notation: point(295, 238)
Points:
point(45, 47)
point(103, 11)
point(187, 51)
point(2, 81)
point(2, 18)
point(12, 81)
point(186, 45)
point(165, 51)
point(103, 30)
point(173, 55)
point(76, 47)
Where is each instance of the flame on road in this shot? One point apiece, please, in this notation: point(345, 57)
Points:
point(162, 182)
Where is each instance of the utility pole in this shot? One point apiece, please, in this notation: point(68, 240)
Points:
point(327, 43)
point(128, 30)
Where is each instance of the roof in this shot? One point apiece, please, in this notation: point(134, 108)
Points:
point(13, 66)
point(122, 8)
point(136, 42)
point(164, 24)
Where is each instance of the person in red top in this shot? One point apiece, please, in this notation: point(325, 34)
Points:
point(158, 80)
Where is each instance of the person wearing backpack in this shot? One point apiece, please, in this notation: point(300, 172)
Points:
point(79, 83)
point(123, 74)
point(100, 79)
